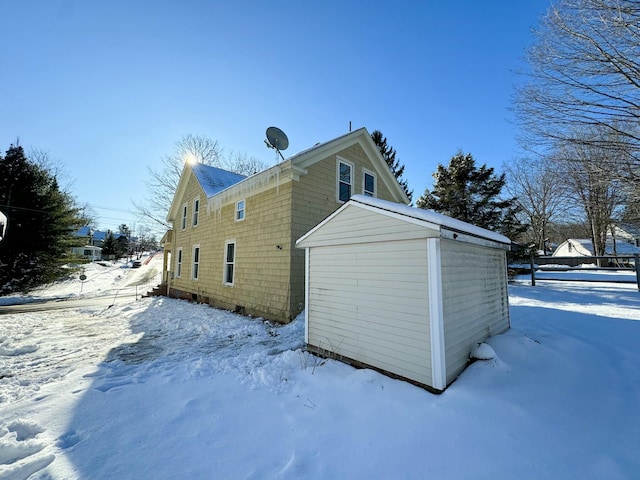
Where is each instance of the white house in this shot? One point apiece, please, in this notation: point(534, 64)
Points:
point(582, 247)
point(403, 290)
point(90, 252)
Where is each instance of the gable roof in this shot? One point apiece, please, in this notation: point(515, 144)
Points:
point(426, 218)
point(582, 247)
point(219, 184)
point(362, 137)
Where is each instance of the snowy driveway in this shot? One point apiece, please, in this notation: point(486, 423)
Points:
point(48, 305)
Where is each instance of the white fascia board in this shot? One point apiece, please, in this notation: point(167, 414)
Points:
point(397, 216)
point(386, 175)
point(436, 316)
point(177, 196)
point(472, 239)
point(364, 206)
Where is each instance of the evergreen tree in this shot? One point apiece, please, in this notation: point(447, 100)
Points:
point(389, 155)
point(110, 245)
point(471, 194)
point(41, 220)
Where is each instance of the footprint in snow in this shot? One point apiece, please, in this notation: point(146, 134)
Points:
point(68, 440)
point(20, 451)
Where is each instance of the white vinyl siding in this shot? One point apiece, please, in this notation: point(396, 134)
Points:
point(475, 303)
point(196, 212)
point(356, 225)
point(344, 180)
point(370, 303)
point(179, 263)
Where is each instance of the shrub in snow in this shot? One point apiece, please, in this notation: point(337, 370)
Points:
point(482, 351)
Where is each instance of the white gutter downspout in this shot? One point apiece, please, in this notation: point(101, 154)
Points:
point(436, 317)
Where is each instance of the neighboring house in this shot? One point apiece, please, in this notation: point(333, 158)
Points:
point(580, 247)
point(89, 252)
point(404, 290)
point(628, 233)
point(232, 244)
point(93, 242)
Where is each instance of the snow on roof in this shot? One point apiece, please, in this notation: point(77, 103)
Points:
point(432, 217)
point(213, 180)
point(622, 247)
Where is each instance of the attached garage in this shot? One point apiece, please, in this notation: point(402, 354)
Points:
point(406, 291)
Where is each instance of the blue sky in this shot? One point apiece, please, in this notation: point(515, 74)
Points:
point(108, 87)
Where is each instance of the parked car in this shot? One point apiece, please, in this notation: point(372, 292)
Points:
point(136, 264)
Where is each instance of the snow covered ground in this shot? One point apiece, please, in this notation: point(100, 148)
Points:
point(164, 389)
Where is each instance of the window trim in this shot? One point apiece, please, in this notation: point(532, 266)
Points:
point(179, 263)
point(340, 160)
point(195, 264)
point(226, 263)
point(366, 172)
point(195, 217)
point(244, 210)
point(183, 223)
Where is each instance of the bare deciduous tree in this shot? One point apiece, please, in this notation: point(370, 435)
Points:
point(585, 73)
point(589, 174)
point(543, 200)
point(163, 181)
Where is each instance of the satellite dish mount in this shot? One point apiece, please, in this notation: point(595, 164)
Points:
point(277, 140)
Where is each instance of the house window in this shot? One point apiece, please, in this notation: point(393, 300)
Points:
point(196, 262)
point(184, 216)
point(179, 263)
point(196, 211)
point(229, 262)
point(345, 180)
point(369, 184)
point(240, 207)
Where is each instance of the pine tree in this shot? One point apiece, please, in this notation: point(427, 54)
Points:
point(471, 194)
point(389, 155)
point(110, 245)
point(41, 220)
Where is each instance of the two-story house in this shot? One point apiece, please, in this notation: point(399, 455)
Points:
point(232, 244)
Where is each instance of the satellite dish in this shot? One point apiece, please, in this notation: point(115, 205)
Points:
point(277, 140)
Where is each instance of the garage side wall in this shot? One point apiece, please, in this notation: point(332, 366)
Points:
point(475, 299)
point(368, 302)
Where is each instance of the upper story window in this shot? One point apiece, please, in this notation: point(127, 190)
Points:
point(369, 183)
point(344, 180)
point(196, 211)
point(240, 210)
point(184, 216)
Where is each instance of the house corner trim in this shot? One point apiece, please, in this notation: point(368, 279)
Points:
point(436, 317)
